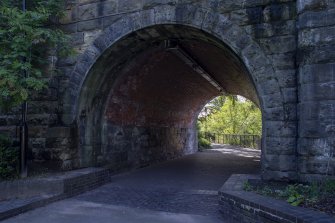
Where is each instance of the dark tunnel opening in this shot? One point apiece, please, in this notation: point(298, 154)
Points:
point(142, 97)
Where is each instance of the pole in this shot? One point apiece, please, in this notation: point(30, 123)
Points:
point(23, 126)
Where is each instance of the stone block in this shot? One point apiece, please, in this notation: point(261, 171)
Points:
point(230, 5)
point(42, 107)
point(109, 20)
point(317, 54)
point(276, 28)
point(280, 175)
point(281, 146)
point(167, 14)
point(108, 7)
point(317, 110)
point(37, 143)
point(280, 128)
point(283, 61)
point(286, 78)
point(69, 28)
point(129, 5)
point(85, 2)
point(278, 44)
point(59, 143)
point(312, 129)
point(59, 132)
point(272, 101)
point(37, 131)
point(313, 5)
point(287, 112)
point(69, 16)
point(283, 163)
point(247, 16)
point(89, 25)
point(149, 4)
point(88, 11)
point(277, 12)
point(317, 73)
point(42, 119)
point(316, 36)
point(317, 92)
point(312, 19)
point(77, 39)
point(290, 95)
point(324, 165)
point(310, 147)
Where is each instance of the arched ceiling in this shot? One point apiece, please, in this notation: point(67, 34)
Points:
point(152, 77)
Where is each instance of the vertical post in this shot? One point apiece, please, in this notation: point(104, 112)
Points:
point(253, 141)
point(23, 126)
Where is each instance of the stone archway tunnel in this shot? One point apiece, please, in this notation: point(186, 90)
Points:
point(277, 53)
point(142, 107)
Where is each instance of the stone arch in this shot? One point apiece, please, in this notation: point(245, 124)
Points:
point(239, 42)
point(216, 24)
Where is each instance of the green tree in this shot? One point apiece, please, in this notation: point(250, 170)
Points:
point(235, 116)
point(25, 39)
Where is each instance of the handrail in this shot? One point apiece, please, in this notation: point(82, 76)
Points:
point(252, 141)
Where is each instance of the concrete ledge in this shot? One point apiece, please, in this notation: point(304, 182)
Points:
point(20, 196)
point(241, 206)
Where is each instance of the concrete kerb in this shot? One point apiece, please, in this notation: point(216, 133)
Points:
point(242, 206)
point(23, 195)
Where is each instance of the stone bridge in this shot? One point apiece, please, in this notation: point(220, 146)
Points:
point(145, 68)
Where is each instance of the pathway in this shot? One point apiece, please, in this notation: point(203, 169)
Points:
point(178, 191)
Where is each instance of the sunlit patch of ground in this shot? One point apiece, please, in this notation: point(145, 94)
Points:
point(238, 151)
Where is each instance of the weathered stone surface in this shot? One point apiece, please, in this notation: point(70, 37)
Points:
point(317, 91)
point(317, 73)
point(317, 110)
point(89, 25)
point(312, 19)
point(314, 5)
point(281, 146)
point(268, 53)
point(283, 163)
point(317, 36)
point(277, 28)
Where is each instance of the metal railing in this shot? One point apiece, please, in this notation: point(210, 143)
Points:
point(250, 141)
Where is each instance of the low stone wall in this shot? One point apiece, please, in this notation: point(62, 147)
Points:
point(241, 206)
point(20, 196)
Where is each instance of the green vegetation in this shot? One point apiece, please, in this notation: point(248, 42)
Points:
point(317, 195)
point(26, 40)
point(204, 143)
point(8, 159)
point(231, 115)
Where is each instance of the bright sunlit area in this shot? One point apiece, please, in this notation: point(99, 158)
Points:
point(231, 120)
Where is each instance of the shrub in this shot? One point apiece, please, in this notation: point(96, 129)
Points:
point(204, 143)
point(8, 159)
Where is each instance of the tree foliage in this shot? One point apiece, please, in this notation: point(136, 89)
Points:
point(25, 38)
point(234, 116)
point(8, 158)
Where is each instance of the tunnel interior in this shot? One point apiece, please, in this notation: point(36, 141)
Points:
point(141, 99)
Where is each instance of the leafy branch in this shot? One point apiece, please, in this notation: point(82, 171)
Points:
point(26, 38)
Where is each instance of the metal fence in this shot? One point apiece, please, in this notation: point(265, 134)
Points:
point(250, 141)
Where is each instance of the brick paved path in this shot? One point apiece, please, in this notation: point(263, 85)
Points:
point(182, 190)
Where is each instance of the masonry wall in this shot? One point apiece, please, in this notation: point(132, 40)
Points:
point(272, 24)
point(316, 60)
point(297, 37)
point(133, 147)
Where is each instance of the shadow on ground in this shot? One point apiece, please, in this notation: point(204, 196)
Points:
point(180, 190)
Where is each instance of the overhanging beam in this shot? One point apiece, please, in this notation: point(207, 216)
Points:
point(176, 49)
